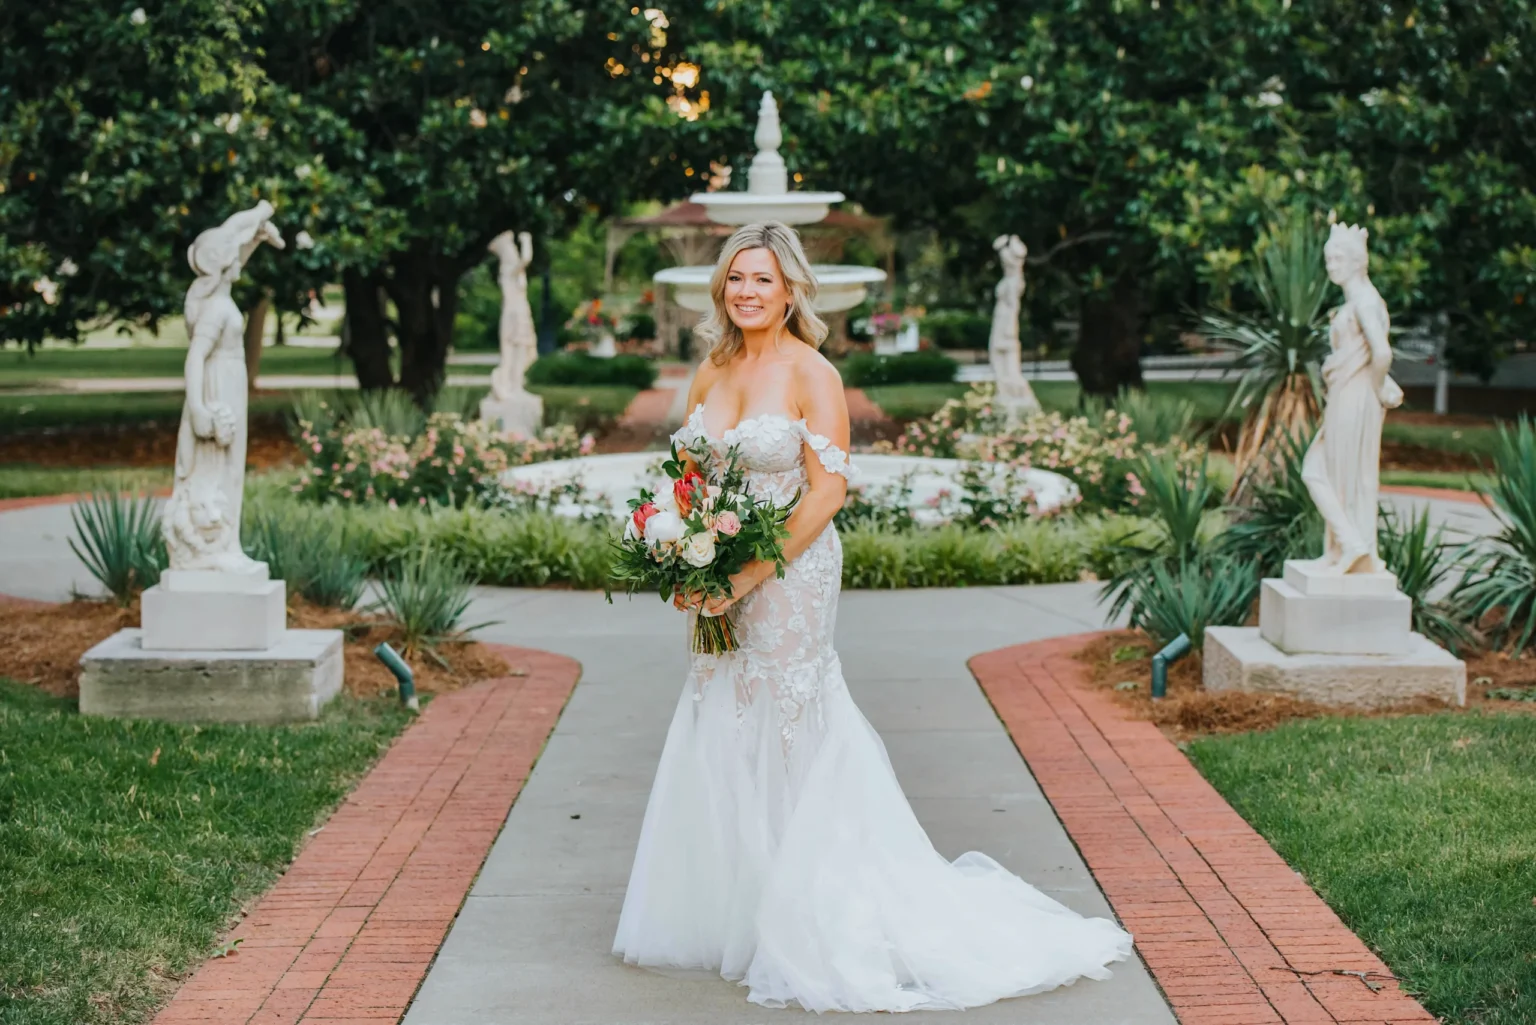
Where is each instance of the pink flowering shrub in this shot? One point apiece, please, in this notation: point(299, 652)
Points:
point(450, 461)
point(1099, 454)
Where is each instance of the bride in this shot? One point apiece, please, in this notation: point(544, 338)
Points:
point(778, 848)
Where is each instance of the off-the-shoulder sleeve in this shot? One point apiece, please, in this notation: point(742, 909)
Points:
point(833, 459)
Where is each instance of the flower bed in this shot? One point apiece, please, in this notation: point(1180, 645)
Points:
point(1099, 454)
point(451, 460)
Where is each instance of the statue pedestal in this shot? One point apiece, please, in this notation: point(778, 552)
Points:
point(521, 413)
point(1016, 399)
point(211, 610)
point(215, 646)
point(289, 682)
point(1336, 640)
point(1312, 611)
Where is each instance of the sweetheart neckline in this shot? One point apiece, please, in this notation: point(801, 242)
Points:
point(698, 411)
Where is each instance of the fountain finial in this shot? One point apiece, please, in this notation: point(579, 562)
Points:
point(767, 176)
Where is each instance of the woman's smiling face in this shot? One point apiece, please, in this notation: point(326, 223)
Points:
point(756, 296)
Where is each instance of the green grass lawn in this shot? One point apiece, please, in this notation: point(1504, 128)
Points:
point(1456, 480)
point(587, 406)
point(1476, 442)
point(1419, 831)
point(19, 369)
point(24, 481)
point(37, 412)
point(127, 847)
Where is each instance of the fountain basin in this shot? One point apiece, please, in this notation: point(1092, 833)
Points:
point(842, 286)
point(752, 207)
point(609, 481)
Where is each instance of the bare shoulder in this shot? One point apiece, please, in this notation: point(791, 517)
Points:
point(704, 377)
point(815, 374)
point(819, 388)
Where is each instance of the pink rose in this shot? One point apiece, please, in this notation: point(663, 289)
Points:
point(728, 523)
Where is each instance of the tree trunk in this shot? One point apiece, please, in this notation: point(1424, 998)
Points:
point(425, 289)
point(1107, 359)
point(365, 331)
point(255, 332)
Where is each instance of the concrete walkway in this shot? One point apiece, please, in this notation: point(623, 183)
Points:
point(531, 944)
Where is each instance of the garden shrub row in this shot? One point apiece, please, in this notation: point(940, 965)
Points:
point(867, 369)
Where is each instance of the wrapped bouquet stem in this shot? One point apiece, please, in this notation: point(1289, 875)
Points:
point(693, 537)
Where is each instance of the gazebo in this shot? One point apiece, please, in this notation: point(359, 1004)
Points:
point(690, 238)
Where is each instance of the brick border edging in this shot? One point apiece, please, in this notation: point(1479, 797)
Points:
point(348, 933)
point(1445, 494)
point(1223, 923)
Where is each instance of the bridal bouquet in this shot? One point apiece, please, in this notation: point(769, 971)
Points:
point(692, 538)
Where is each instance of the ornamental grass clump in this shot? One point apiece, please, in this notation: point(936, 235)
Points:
point(426, 596)
point(118, 539)
point(309, 549)
point(1498, 589)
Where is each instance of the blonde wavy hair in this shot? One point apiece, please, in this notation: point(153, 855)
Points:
point(724, 337)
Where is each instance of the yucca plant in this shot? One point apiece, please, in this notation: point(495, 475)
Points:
point(1498, 589)
point(1169, 599)
point(391, 410)
point(119, 541)
point(1425, 564)
point(426, 595)
point(309, 550)
point(1280, 349)
point(1175, 502)
point(1278, 519)
point(463, 402)
point(1157, 419)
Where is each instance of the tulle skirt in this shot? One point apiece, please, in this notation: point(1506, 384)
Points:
point(786, 857)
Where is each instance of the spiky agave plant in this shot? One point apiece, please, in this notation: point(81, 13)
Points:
point(1281, 347)
point(1498, 590)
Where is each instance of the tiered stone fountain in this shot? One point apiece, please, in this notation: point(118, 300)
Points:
point(768, 198)
point(607, 481)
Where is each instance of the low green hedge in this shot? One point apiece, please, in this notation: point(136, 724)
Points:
point(865, 369)
point(584, 368)
point(957, 329)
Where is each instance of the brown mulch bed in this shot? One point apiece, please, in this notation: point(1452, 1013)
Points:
point(43, 644)
point(146, 444)
point(1188, 710)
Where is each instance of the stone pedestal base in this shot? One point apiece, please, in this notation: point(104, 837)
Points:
point(214, 620)
point(1312, 611)
point(1016, 399)
point(1238, 658)
point(522, 413)
point(290, 682)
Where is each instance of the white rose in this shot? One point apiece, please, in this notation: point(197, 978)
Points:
point(663, 527)
point(699, 549)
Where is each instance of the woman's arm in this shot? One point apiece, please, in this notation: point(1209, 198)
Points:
point(825, 409)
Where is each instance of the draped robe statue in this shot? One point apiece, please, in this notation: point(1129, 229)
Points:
point(519, 344)
point(201, 521)
point(1004, 350)
point(1342, 468)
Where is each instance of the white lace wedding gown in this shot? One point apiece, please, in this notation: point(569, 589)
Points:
point(778, 848)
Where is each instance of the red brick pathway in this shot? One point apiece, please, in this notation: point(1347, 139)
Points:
point(347, 934)
point(1224, 924)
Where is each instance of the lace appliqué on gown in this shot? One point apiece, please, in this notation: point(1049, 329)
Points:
point(785, 625)
point(778, 848)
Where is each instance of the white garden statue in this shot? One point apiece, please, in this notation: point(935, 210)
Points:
point(202, 518)
point(510, 406)
point(519, 345)
point(1342, 469)
point(1004, 351)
